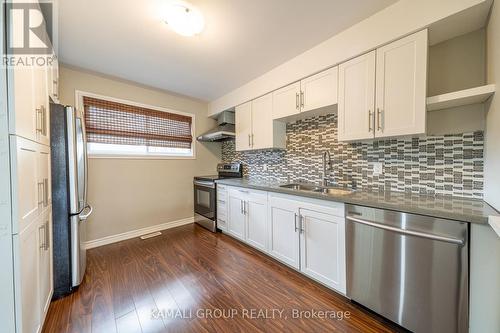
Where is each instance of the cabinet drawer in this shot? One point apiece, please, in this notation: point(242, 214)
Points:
point(221, 195)
point(222, 225)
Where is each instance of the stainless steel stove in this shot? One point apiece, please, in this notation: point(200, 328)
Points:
point(205, 194)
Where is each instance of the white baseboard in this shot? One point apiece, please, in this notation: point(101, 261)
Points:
point(136, 233)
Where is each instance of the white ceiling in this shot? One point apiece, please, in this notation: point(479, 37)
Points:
point(242, 39)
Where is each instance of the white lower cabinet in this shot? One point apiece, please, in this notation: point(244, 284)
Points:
point(26, 245)
point(247, 218)
point(306, 234)
point(33, 279)
point(45, 263)
point(256, 224)
point(284, 231)
point(322, 247)
point(236, 218)
point(222, 208)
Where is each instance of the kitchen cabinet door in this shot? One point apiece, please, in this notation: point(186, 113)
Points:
point(284, 231)
point(262, 126)
point(322, 245)
point(357, 98)
point(286, 101)
point(45, 262)
point(319, 90)
point(26, 245)
point(401, 87)
point(236, 218)
point(256, 213)
point(53, 79)
point(23, 118)
point(243, 126)
point(42, 104)
point(27, 190)
point(44, 175)
point(222, 204)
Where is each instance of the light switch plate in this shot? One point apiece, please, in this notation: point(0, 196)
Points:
point(377, 168)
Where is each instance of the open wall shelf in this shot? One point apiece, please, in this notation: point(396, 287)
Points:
point(460, 98)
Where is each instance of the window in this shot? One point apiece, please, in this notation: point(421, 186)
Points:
point(120, 128)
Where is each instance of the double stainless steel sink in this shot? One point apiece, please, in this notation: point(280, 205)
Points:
point(327, 190)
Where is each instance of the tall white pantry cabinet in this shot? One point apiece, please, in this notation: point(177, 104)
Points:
point(26, 284)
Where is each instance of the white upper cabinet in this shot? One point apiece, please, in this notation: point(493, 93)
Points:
point(28, 96)
point(262, 122)
point(401, 87)
point(255, 128)
point(357, 98)
point(23, 119)
point(243, 126)
point(319, 90)
point(309, 94)
point(393, 104)
point(286, 101)
point(53, 79)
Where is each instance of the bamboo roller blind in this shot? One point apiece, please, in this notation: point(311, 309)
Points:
point(118, 123)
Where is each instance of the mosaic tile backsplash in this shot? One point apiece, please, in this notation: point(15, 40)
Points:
point(449, 165)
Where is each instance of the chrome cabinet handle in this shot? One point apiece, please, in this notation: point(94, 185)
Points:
point(46, 242)
point(302, 99)
point(370, 120)
point(45, 192)
point(241, 206)
point(41, 230)
point(41, 191)
point(406, 232)
point(39, 125)
point(379, 113)
point(252, 139)
point(295, 224)
point(301, 226)
point(44, 120)
point(249, 142)
point(245, 207)
point(297, 106)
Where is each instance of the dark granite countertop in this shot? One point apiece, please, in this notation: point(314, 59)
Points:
point(447, 207)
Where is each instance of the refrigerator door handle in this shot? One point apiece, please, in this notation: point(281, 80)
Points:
point(83, 216)
point(85, 158)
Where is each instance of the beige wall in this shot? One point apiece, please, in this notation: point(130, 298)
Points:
point(128, 194)
point(485, 244)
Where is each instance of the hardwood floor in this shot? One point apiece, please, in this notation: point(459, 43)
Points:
point(169, 283)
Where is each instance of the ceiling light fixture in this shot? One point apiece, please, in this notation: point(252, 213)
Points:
point(184, 19)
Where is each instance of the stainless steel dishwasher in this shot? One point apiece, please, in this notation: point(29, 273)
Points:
point(411, 269)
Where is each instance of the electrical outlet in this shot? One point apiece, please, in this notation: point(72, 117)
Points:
point(264, 167)
point(377, 168)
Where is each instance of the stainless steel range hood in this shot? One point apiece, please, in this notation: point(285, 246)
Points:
point(224, 131)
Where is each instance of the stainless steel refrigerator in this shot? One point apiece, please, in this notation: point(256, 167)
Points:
point(70, 208)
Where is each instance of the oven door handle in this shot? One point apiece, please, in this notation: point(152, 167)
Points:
point(204, 184)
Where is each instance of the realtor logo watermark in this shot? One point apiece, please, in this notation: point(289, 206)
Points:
point(30, 30)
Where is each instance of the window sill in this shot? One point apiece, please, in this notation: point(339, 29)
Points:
point(139, 157)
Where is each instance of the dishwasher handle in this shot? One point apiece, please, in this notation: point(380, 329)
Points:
point(407, 232)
